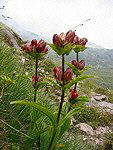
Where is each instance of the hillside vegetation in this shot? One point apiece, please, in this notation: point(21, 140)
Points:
point(16, 84)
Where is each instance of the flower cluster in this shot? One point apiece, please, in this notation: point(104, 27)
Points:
point(63, 39)
point(35, 46)
point(78, 64)
point(70, 37)
point(68, 74)
point(79, 41)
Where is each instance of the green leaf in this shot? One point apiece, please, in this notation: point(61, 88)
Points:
point(65, 127)
point(60, 50)
point(79, 48)
point(52, 81)
point(35, 54)
point(85, 68)
point(75, 70)
point(41, 84)
point(83, 99)
point(29, 142)
point(57, 49)
point(80, 99)
point(79, 78)
point(40, 108)
point(67, 49)
point(70, 114)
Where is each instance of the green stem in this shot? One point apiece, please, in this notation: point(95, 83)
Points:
point(52, 139)
point(60, 107)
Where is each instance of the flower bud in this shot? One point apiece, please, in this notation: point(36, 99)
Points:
point(58, 73)
point(75, 63)
point(68, 74)
point(35, 79)
point(83, 41)
point(81, 64)
point(73, 94)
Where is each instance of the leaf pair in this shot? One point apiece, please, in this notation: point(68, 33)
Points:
point(62, 50)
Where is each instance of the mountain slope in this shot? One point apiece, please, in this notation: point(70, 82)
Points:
point(9, 36)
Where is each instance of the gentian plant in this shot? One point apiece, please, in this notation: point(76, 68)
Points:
point(63, 44)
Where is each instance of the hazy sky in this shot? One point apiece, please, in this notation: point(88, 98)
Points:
point(46, 17)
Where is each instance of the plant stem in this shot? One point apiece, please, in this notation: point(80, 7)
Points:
point(63, 92)
point(75, 87)
point(77, 58)
point(52, 139)
point(36, 74)
point(60, 107)
point(35, 92)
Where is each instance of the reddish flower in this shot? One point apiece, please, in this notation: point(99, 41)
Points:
point(79, 65)
point(58, 73)
point(57, 40)
point(73, 94)
point(36, 79)
point(75, 63)
point(67, 74)
point(40, 47)
point(27, 47)
point(34, 42)
point(36, 46)
point(76, 40)
point(83, 41)
point(69, 36)
point(62, 39)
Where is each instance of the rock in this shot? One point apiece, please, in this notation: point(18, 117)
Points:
point(108, 111)
point(100, 97)
point(92, 103)
point(105, 105)
point(85, 128)
point(100, 131)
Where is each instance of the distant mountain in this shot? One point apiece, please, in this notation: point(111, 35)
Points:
point(94, 55)
point(24, 34)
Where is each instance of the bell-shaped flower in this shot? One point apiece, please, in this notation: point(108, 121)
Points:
point(36, 46)
point(27, 47)
point(69, 37)
point(68, 74)
point(58, 73)
point(63, 39)
point(34, 42)
point(73, 94)
point(83, 41)
point(78, 64)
